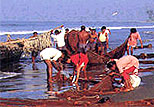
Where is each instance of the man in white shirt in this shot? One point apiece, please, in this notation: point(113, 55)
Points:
point(50, 57)
point(59, 37)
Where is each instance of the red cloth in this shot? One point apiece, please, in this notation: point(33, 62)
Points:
point(127, 72)
point(79, 59)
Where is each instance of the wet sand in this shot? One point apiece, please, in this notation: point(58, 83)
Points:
point(141, 96)
point(61, 103)
point(144, 91)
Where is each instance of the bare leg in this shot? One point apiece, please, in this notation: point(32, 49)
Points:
point(50, 87)
point(34, 67)
point(34, 55)
point(33, 60)
point(49, 70)
point(127, 50)
point(99, 50)
point(128, 85)
point(131, 50)
point(74, 72)
point(78, 73)
point(84, 70)
point(58, 67)
point(103, 51)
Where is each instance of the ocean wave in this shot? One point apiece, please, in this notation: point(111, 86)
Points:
point(138, 27)
point(23, 32)
point(76, 28)
point(5, 75)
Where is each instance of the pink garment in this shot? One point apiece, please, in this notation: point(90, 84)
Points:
point(132, 41)
point(127, 62)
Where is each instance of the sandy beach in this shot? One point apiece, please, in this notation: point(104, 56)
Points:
point(21, 85)
point(29, 26)
point(141, 96)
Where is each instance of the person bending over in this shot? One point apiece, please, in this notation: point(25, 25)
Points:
point(51, 56)
point(80, 60)
point(127, 66)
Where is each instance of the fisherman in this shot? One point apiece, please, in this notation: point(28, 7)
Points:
point(91, 45)
point(103, 41)
point(80, 60)
point(59, 38)
point(83, 39)
point(93, 34)
point(52, 57)
point(128, 67)
point(34, 35)
point(132, 41)
point(34, 53)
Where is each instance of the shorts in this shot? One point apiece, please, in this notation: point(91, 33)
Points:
point(82, 47)
point(100, 44)
point(34, 54)
point(131, 45)
point(90, 46)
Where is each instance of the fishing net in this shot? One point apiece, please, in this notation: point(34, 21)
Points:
point(38, 43)
point(72, 41)
point(119, 51)
point(94, 58)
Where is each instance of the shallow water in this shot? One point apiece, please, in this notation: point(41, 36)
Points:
point(24, 82)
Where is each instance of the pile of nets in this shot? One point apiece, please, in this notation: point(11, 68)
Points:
point(38, 43)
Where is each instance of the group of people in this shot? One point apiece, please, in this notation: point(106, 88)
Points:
point(93, 41)
point(126, 66)
point(87, 41)
point(55, 56)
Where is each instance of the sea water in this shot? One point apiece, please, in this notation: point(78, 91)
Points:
point(21, 81)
